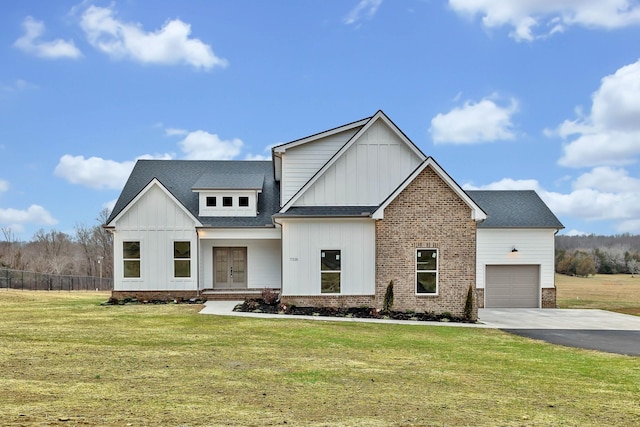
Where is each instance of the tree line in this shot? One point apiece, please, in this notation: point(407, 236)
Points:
point(592, 254)
point(88, 252)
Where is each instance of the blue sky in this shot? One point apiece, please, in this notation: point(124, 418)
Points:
point(541, 95)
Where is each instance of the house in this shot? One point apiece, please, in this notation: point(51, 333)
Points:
point(331, 220)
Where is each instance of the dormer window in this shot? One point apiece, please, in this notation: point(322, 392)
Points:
point(228, 194)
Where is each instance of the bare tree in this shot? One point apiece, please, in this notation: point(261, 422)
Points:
point(57, 249)
point(634, 266)
point(11, 250)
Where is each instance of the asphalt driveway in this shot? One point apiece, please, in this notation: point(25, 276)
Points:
point(591, 329)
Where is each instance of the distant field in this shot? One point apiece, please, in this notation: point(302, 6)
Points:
point(615, 292)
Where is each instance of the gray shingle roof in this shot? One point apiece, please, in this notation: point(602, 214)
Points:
point(514, 209)
point(333, 211)
point(229, 181)
point(180, 176)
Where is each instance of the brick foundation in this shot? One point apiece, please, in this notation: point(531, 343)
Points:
point(337, 301)
point(480, 297)
point(427, 214)
point(548, 297)
point(154, 295)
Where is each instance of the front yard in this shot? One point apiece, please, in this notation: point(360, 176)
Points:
point(66, 360)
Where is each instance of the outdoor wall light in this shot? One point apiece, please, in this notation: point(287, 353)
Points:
point(514, 250)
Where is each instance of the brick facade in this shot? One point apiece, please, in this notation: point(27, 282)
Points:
point(154, 295)
point(548, 297)
point(337, 301)
point(427, 214)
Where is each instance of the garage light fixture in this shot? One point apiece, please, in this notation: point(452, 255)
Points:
point(513, 250)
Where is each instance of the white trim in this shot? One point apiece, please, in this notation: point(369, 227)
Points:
point(144, 191)
point(284, 147)
point(437, 271)
point(378, 116)
point(476, 211)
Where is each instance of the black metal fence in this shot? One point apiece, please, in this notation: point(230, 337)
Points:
point(28, 280)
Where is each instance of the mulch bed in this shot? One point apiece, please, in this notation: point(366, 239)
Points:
point(259, 306)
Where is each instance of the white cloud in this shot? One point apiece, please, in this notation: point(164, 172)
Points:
point(609, 135)
point(507, 184)
point(475, 122)
point(202, 145)
point(574, 232)
point(364, 9)
point(603, 194)
point(54, 49)
point(169, 45)
point(550, 16)
point(96, 172)
point(16, 219)
point(4, 186)
point(174, 132)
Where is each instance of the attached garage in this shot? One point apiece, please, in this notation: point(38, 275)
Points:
point(512, 286)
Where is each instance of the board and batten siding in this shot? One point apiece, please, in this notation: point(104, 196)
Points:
point(371, 169)
point(534, 247)
point(302, 242)
point(263, 261)
point(156, 221)
point(300, 163)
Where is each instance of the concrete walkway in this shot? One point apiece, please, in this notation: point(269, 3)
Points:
point(575, 319)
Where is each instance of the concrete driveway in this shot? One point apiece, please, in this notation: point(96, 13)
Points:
point(591, 329)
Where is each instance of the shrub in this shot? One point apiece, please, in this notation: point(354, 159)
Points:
point(269, 297)
point(387, 302)
point(468, 305)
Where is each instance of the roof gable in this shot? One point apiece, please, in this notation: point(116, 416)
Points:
point(154, 183)
point(476, 211)
point(378, 117)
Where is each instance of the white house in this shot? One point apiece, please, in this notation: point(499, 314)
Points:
point(331, 220)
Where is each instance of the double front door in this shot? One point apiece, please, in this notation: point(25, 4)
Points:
point(229, 268)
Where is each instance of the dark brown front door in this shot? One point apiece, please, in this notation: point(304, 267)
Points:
point(229, 268)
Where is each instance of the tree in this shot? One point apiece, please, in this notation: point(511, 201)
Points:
point(634, 266)
point(56, 249)
point(97, 247)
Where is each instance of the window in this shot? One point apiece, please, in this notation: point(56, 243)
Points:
point(131, 259)
point(227, 201)
point(211, 201)
point(243, 201)
point(330, 271)
point(182, 259)
point(427, 271)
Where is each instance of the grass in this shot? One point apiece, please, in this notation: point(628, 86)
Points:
point(615, 292)
point(66, 360)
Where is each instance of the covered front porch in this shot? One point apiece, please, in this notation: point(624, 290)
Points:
point(238, 263)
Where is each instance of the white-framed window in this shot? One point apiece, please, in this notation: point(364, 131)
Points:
point(182, 259)
point(131, 259)
point(330, 271)
point(427, 271)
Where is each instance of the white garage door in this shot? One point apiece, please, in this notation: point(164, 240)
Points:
point(512, 286)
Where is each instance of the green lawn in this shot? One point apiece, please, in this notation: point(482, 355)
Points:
point(66, 360)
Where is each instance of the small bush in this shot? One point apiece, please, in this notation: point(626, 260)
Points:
point(269, 297)
point(387, 302)
point(468, 305)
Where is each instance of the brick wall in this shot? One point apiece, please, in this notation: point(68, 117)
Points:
point(337, 301)
point(154, 295)
point(548, 297)
point(427, 214)
point(480, 297)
